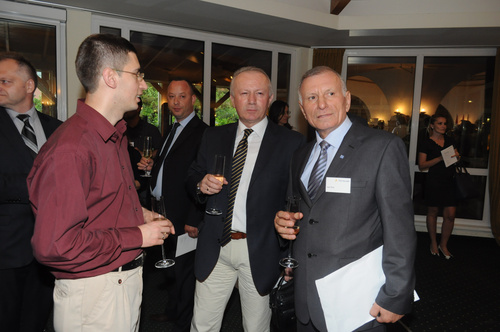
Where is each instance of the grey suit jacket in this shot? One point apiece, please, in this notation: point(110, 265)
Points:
point(266, 195)
point(338, 228)
point(16, 217)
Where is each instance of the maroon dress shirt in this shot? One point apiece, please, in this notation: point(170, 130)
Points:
point(82, 192)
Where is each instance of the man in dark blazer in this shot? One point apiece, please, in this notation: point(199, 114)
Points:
point(168, 181)
point(340, 224)
point(252, 254)
point(25, 286)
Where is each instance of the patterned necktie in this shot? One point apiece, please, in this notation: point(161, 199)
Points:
point(28, 134)
point(237, 167)
point(318, 170)
point(163, 154)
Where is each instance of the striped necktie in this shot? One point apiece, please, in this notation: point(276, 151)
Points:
point(318, 171)
point(28, 134)
point(237, 168)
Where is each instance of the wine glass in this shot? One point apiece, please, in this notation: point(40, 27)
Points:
point(158, 209)
point(292, 205)
point(147, 153)
point(218, 173)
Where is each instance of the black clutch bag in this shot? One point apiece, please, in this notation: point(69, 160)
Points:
point(281, 301)
point(464, 184)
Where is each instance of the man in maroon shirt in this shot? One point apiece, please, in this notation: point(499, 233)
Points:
point(90, 226)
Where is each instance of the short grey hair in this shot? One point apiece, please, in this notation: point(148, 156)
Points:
point(254, 69)
point(320, 70)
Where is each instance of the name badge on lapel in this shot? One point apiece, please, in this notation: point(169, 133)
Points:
point(338, 185)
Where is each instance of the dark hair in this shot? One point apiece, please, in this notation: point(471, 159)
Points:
point(277, 110)
point(97, 52)
point(189, 83)
point(23, 64)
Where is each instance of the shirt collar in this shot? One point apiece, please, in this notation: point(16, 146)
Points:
point(336, 137)
point(186, 120)
point(13, 114)
point(100, 124)
point(259, 128)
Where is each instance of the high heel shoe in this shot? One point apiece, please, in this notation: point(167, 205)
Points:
point(445, 256)
point(433, 253)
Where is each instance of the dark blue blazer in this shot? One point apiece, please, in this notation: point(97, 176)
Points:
point(16, 216)
point(266, 195)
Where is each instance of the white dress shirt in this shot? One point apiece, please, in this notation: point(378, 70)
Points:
point(335, 138)
point(254, 142)
point(34, 122)
point(156, 192)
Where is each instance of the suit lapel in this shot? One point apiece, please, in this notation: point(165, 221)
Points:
point(304, 157)
point(185, 133)
point(13, 137)
point(344, 153)
point(265, 152)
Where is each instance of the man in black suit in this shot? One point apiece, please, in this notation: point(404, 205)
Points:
point(25, 286)
point(355, 187)
point(240, 245)
point(168, 181)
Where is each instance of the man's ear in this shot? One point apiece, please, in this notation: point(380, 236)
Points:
point(110, 77)
point(30, 86)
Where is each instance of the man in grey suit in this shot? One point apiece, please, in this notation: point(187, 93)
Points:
point(339, 226)
point(241, 244)
point(25, 286)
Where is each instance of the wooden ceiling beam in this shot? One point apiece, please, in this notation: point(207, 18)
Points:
point(337, 6)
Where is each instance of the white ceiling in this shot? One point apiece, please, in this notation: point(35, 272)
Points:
point(362, 23)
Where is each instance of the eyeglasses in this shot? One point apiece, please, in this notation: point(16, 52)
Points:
point(139, 75)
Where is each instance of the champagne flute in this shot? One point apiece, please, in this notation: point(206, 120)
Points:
point(147, 153)
point(158, 209)
point(292, 205)
point(219, 165)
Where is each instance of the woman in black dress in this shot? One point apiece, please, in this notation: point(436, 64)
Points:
point(439, 187)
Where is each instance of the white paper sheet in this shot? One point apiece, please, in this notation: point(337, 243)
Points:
point(348, 294)
point(185, 244)
point(449, 156)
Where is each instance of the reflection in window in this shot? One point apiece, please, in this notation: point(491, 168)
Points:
point(463, 86)
point(226, 60)
point(37, 43)
point(382, 92)
point(165, 58)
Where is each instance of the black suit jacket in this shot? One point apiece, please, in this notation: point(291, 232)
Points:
point(16, 217)
point(266, 195)
point(181, 208)
point(339, 228)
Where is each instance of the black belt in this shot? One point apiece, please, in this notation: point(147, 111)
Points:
point(139, 261)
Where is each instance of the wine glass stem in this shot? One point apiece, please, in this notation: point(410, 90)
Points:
point(290, 247)
point(163, 252)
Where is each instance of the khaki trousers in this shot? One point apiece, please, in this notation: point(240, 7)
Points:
point(212, 295)
point(109, 302)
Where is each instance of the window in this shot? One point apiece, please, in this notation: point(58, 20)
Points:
point(37, 43)
point(226, 60)
point(402, 87)
point(166, 52)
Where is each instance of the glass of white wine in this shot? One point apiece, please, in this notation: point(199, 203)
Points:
point(147, 153)
point(219, 166)
point(292, 205)
point(158, 209)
